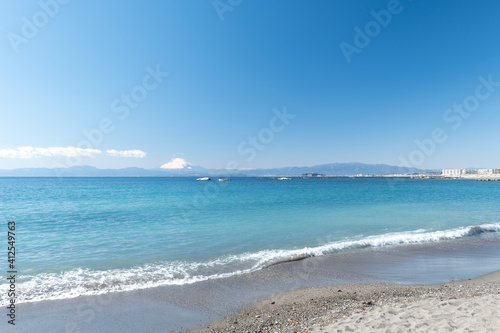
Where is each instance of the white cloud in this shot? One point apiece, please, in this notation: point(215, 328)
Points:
point(126, 153)
point(176, 163)
point(30, 152)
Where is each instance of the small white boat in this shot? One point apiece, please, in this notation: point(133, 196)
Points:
point(223, 179)
point(283, 178)
point(203, 178)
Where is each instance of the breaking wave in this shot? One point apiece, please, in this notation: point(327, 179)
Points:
point(77, 282)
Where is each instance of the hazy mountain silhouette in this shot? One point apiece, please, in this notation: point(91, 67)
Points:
point(333, 169)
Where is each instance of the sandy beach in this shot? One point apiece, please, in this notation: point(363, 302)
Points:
point(462, 306)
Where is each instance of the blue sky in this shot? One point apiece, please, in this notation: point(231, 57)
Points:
point(235, 68)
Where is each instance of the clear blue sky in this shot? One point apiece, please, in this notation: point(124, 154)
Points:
point(227, 76)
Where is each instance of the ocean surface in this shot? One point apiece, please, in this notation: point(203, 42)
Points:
point(83, 236)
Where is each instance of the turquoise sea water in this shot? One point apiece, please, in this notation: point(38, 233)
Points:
point(79, 236)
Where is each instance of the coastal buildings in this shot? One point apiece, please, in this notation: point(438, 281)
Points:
point(453, 172)
point(466, 172)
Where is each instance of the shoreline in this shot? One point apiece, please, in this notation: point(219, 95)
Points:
point(191, 306)
point(146, 276)
point(359, 306)
point(326, 309)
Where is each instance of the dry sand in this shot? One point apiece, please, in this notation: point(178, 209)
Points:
point(464, 306)
point(474, 314)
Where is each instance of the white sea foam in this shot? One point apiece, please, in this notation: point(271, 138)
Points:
point(73, 283)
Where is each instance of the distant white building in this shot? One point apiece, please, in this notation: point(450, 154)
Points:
point(460, 172)
point(453, 172)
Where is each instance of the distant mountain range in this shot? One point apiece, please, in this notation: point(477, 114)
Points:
point(334, 169)
point(339, 169)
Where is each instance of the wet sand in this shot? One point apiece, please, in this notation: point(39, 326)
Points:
point(362, 275)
